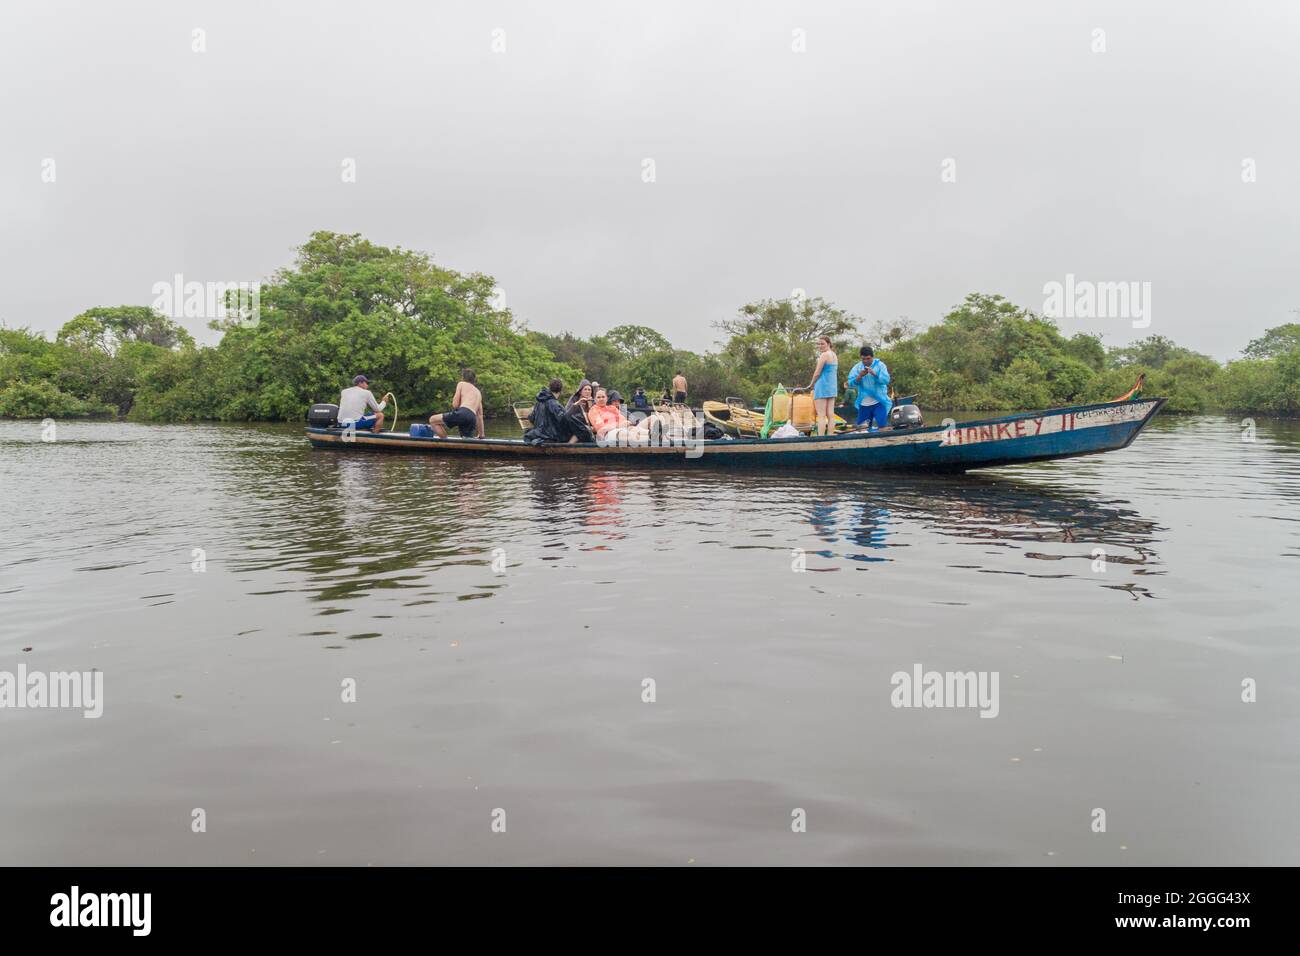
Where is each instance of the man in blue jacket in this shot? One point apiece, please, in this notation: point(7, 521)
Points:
point(870, 378)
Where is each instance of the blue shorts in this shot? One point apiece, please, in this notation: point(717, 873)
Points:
point(366, 423)
point(876, 414)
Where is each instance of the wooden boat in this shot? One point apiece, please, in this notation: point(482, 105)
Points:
point(950, 447)
point(734, 418)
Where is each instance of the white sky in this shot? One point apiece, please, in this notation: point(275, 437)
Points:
point(775, 170)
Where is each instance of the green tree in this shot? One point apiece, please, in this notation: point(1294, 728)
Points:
point(589, 358)
point(644, 357)
point(1268, 386)
point(1275, 342)
point(1088, 350)
point(990, 353)
point(110, 328)
point(1152, 352)
point(106, 350)
point(31, 369)
point(634, 341)
point(43, 399)
point(773, 341)
point(888, 332)
point(347, 305)
point(27, 356)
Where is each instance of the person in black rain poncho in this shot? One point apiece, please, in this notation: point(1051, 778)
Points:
point(551, 422)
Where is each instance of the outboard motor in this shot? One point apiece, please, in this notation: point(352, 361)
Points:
point(323, 416)
point(905, 416)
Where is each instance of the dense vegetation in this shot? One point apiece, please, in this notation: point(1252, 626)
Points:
point(347, 305)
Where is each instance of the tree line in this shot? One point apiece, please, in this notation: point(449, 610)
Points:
point(347, 305)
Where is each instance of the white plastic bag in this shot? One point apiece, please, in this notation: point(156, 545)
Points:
point(785, 431)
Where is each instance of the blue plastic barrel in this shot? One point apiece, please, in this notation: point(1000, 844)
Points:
point(421, 431)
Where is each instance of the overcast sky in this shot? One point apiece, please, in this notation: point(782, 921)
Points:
point(773, 169)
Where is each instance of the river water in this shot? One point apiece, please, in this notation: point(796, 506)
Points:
point(497, 623)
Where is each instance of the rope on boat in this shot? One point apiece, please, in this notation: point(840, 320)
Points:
point(393, 427)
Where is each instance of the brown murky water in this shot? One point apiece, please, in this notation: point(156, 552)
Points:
point(519, 686)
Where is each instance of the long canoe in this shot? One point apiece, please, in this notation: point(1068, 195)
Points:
point(951, 447)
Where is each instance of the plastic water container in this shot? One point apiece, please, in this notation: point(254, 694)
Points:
point(780, 405)
point(802, 410)
point(421, 431)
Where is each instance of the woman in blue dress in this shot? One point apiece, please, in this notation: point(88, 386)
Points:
point(825, 385)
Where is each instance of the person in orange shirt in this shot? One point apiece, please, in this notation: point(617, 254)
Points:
point(602, 415)
point(609, 424)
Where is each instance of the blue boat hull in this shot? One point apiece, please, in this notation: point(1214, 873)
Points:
point(951, 447)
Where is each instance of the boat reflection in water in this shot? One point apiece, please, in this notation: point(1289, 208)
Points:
point(438, 513)
point(997, 512)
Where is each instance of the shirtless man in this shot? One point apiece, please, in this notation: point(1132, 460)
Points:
point(679, 388)
point(466, 409)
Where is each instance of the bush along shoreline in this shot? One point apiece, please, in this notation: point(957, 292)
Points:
point(347, 305)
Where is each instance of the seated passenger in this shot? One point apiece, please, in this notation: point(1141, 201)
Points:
point(579, 405)
point(640, 409)
point(466, 409)
point(582, 397)
point(550, 423)
point(603, 416)
point(610, 426)
point(354, 402)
